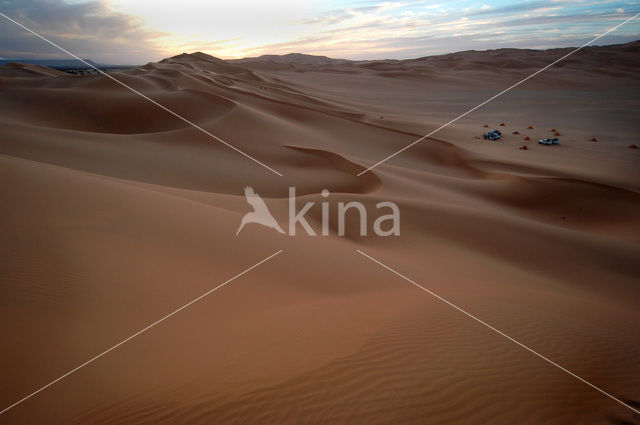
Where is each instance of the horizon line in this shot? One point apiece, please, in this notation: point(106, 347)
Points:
point(308, 54)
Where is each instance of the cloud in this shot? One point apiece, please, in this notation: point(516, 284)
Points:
point(89, 29)
point(374, 32)
point(356, 29)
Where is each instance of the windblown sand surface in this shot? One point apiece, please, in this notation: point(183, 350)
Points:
point(113, 213)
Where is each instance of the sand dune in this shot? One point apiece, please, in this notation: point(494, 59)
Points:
point(115, 213)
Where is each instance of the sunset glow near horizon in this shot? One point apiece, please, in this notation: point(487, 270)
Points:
point(138, 31)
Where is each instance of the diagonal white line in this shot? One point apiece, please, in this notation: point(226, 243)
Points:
point(497, 95)
point(140, 331)
point(144, 96)
point(497, 331)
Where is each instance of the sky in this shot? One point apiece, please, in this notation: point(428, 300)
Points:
point(140, 31)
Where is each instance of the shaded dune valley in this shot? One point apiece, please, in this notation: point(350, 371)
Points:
point(115, 213)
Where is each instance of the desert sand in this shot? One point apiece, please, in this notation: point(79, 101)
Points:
point(113, 213)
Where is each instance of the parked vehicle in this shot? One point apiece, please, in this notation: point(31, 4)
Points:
point(492, 135)
point(553, 141)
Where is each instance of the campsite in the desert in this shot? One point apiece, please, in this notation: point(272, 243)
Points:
point(149, 272)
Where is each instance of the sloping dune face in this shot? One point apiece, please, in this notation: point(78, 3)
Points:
point(115, 213)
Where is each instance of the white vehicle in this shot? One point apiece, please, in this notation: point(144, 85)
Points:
point(553, 141)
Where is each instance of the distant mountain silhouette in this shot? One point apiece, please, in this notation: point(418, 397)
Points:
point(294, 58)
point(469, 59)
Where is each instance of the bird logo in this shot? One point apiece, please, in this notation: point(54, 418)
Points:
point(260, 213)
